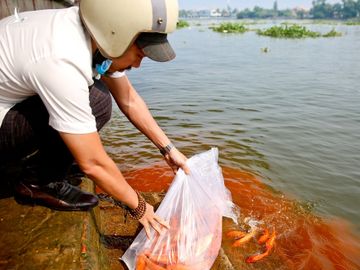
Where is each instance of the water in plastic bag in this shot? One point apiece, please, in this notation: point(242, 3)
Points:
point(194, 206)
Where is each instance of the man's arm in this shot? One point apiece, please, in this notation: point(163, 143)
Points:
point(90, 155)
point(135, 109)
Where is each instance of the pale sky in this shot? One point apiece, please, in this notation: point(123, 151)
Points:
point(241, 4)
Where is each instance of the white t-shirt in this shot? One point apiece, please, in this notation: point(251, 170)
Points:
point(48, 53)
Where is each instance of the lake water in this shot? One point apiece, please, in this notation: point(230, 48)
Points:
point(291, 116)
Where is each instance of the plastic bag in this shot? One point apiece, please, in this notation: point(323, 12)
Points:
point(194, 206)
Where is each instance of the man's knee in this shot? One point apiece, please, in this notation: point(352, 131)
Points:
point(101, 103)
point(20, 128)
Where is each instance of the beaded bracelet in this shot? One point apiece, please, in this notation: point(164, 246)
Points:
point(139, 211)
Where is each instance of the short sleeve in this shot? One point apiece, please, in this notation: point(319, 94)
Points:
point(64, 90)
point(116, 74)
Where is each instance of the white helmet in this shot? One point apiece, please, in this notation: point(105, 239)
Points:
point(116, 24)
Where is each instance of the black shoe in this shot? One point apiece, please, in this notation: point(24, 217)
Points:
point(58, 195)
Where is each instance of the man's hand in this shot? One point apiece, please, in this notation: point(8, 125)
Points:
point(93, 160)
point(175, 159)
point(150, 219)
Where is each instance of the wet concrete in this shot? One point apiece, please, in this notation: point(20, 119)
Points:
point(40, 238)
point(119, 230)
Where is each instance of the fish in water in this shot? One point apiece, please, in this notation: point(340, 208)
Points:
point(247, 237)
point(269, 244)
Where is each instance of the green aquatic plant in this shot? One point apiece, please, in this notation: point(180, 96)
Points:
point(353, 23)
point(182, 24)
point(230, 28)
point(286, 31)
point(332, 33)
point(295, 31)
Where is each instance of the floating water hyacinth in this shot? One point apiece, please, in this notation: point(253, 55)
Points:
point(294, 31)
point(182, 24)
point(286, 31)
point(230, 28)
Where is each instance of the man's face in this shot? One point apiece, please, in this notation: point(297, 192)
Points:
point(131, 58)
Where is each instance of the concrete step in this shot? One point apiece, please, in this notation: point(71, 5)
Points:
point(119, 230)
point(34, 237)
point(40, 238)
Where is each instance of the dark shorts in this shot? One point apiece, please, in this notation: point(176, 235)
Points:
point(26, 129)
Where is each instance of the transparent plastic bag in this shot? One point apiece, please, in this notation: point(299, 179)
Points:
point(194, 206)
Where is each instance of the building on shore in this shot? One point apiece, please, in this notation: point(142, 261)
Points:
point(215, 13)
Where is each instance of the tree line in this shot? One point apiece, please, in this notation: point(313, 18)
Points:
point(347, 9)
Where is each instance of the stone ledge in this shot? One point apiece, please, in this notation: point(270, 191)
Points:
point(40, 238)
point(119, 230)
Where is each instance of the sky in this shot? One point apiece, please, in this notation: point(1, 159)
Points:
point(241, 4)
